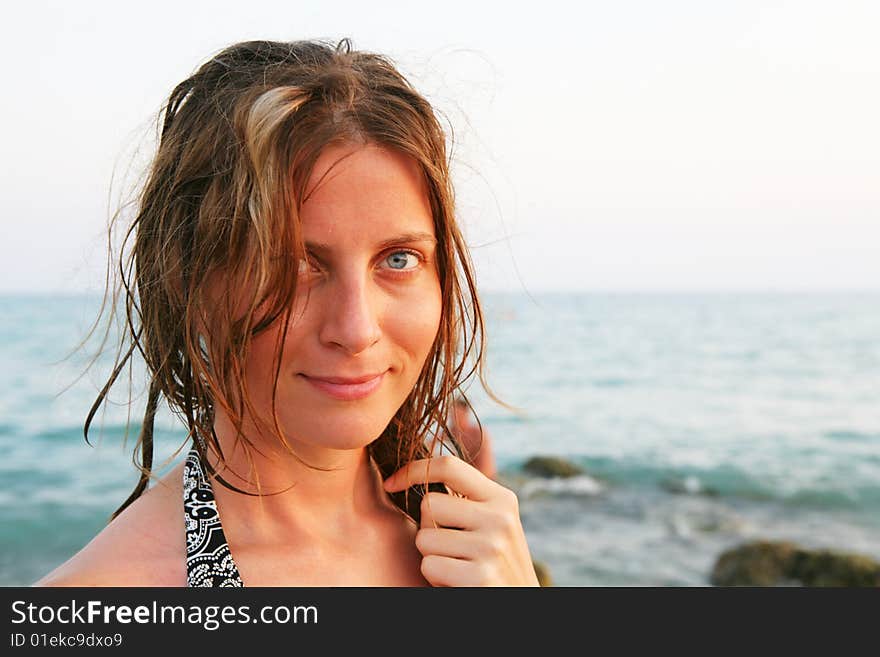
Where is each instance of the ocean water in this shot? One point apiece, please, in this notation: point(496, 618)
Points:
point(703, 421)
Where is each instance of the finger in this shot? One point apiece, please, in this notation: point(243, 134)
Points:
point(448, 543)
point(444, 510)
point(448, 571)
point(458, 475)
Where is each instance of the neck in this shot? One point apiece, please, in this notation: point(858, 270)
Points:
point(317, 491)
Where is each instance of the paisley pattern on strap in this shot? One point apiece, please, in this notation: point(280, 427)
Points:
point(208, 560)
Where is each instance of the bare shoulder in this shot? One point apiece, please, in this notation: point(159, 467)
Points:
point(143, 546)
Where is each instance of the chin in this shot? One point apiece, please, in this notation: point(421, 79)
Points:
point(345, 433)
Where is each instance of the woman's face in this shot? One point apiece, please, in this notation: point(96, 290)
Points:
point(374, 302)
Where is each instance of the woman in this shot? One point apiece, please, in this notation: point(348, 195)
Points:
point(305, 302)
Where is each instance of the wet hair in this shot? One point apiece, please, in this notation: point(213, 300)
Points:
point(219, 211)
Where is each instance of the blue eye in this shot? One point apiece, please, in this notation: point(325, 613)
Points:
point(398, 260)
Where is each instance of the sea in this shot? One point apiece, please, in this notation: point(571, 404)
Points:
point(701, 422)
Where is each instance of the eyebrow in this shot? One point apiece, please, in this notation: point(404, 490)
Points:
point(320, 247)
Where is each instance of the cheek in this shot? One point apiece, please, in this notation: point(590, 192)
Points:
point(259, 369)
point(262, 353)
point(417, 321)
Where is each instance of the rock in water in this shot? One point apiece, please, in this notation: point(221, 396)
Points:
point(829, 568)
point(551, 466)
point(780, 563)
point(754, 564)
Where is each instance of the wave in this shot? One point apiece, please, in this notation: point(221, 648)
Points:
point(612, 383)
point(845, 435)
point(581, 485)
point(722, 481)
point(109, 432)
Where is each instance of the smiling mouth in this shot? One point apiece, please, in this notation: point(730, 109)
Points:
point(347, 389)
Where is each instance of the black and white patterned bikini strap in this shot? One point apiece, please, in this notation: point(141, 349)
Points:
point(208, 559)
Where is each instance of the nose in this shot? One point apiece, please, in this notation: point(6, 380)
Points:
point(351, 316)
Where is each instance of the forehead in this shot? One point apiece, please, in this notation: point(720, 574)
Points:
point(358, 191)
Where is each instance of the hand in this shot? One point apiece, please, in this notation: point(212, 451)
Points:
point(474, 540)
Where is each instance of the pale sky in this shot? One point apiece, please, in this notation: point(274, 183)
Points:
point(626, 145)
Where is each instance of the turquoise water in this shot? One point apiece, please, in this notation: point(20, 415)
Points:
point(702, 420)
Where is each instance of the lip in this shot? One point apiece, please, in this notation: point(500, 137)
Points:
point(347, 389)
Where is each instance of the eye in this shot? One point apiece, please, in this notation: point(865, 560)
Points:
point(306, 266)
point(398, 260)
